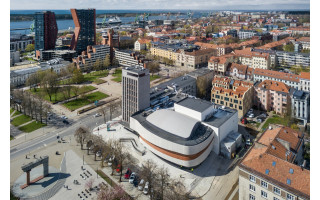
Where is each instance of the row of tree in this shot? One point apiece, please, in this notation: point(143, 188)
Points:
point(29, 104)
point(161, 186)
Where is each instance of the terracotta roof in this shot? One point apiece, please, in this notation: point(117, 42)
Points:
point(276, 74)
point(280, 172)
point(239, 92)
point(274, 85)
point(268, 153)
point(220, 59)
point(299, 28)
point(199, 52)
point(242, 69)
point(248, 53)
point(305, 75)
point(144, 41)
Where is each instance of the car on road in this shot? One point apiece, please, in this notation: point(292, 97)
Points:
point(146, 188)
point(132, 177)
point(97, 115)
point(141, 185)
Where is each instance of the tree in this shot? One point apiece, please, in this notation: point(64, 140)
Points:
point(33, 81)
point(115, 62)
point(103, 111)
point(112, 193)
point(75, 90)
point(148, 173)
point(289, 47)
point(122, 155)
point(81, 134)
point(89, 183)
point(153, 67)
point(77, 76)
point(106, 61)
point(98, 38)
point(97, 65)
point(29, 48)
point(50, 83)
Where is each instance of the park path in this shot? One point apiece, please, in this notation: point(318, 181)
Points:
point(26, 123)
point(15, 116)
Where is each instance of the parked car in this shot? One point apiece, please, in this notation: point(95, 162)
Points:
point(146, 188)
point(251, 115)
point(110, 160)
point(98, 154)
point(97, 115)
point(132, 177)
point(251, 110)
point(136, 181)
point(65, 122)
point(141, 185)
point(127, 174)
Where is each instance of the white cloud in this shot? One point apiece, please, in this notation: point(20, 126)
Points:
point(155, 4)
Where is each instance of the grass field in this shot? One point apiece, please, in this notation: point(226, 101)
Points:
point(275, 119)
point(99, 81)
point(60, 96)
point(118, 75)
point(11, 110)
point(20, 120)
point(89, 98)
point(95, 75)
point(16, 113)
point(31, 127)
point(154, 77)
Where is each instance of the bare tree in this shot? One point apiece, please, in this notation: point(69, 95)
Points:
point(148, 173)
point(103, 111)
point(81, 134)
point(113, 193)
point(75, 90)
point(33, 81)
point(50, 83)
point(89, 183)
point(122, 155)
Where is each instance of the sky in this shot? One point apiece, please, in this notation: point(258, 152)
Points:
point(160, 4)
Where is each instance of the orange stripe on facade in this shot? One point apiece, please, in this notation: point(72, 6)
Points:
point(175, 154)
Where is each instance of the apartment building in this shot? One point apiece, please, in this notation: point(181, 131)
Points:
point(305, 41)
point(219, 64)
point(128, 58)
point(286, 59)
point(245, 34)
point(135, 91)
point(141, 44)
point(253, 59)
point(300, 102)
point(300, 30)
point(305, 81)
point(52, 54)
point(235, 94)
point(91, 55)
point(194, 59)
point(291, 80)
point(165, 50)
point(268, 171)
point(272, 96)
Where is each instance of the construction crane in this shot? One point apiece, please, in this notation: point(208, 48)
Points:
point(104, 20)
point(147, 16)
point(32, 27)
point(136, 19)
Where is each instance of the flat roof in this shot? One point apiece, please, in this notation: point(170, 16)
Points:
point(195, 104)
point(220, 116)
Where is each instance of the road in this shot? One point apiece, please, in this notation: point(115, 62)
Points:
point(87, 120)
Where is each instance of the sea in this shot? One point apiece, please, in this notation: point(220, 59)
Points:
point(66, 24)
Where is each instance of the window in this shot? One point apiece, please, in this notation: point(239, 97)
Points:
point(252, 178)
point(226, 99)
point(252, 188)
point(264, 194)
point(251, 197)
point(290, 197)
point(264, 184)
point(276, 190)
point(235, 101)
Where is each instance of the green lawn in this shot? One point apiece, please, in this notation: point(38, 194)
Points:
point(90, 98)
point(20, 120)
point(11, 110)
point(60, 96)
point(31, 127)
point(275, 119)
point(118, 75)
point(95, 75)
point(99, 81)
point(16, 113)
point(154, 77)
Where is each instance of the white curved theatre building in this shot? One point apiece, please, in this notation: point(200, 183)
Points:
point(186, 133)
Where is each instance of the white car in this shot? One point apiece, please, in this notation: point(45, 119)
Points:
point(110, 160)
point(251, 115)
point(141, 184)
point(132, 177)
point(97, 115)
point(146, 188)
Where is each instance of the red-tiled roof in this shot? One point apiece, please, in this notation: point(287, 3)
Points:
point(278, 75)
point(305, 75)
point(274, 85)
